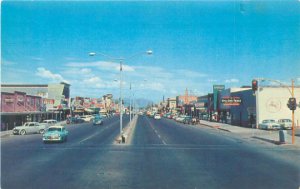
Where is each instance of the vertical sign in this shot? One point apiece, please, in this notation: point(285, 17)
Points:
point(217, 89)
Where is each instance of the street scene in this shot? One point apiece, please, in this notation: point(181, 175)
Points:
point(150, 94)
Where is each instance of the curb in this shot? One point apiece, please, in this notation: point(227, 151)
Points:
point(215, 127)
point(5, 134)
point(122, 138)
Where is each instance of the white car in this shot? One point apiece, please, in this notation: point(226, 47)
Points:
point(157, 116)
point(87, 118)
point(269, 124)
point(49, 122)
point(29, 127)
point(285, 123)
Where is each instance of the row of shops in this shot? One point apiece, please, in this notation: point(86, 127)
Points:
point(242, 106)
point(24, 103)
point(10, 120)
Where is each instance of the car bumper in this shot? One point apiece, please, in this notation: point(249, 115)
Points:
point(97, 122)
point(50, 138)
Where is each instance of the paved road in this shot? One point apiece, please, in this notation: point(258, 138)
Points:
point(163, 154)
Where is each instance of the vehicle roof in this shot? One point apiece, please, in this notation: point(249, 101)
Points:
point(57, 126)
point(49, 120)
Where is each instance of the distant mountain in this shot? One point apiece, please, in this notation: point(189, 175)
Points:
point(140, 102)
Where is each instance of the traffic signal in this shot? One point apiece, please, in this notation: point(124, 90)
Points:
point(254, 85)
point(292, 104)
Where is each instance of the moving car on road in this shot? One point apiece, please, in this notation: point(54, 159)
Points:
point(97, 120)
point(56, 133)
point(71, 120)
point(29, 127)
point(157, 116)
point(269, 124)
point(87, 118)
point(285, 123)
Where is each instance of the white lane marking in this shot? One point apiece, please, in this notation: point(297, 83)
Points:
point(164, 143)
point(97, 133)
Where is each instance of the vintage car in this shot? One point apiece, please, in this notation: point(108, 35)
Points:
point(71, 120)
point(285, 123)
point(87, 118)
point(56, 133)
point(29, 127)
point(49, 122)
point(187, 120)
point(97, 120)
point(269, 124)
point(157, 116)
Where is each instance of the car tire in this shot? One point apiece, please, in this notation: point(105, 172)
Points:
point(23, 132)
point(41, 131)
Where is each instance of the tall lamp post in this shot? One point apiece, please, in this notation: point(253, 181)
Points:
point(121, 60)
point(131, 103)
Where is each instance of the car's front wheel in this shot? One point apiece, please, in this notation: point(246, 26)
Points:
point(41, 131)
point(23, 132)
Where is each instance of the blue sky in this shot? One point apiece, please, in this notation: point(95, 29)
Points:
point(195, 45)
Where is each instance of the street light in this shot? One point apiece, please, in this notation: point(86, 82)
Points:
point(121, 60)
point(130, 106)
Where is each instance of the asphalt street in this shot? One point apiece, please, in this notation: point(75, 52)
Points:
point(162, 154)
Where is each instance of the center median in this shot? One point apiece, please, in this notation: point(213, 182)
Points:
point(126, 136)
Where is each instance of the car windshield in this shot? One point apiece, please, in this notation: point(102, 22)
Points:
point(54, 129)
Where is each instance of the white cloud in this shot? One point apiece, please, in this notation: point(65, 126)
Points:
point(190, 73)
point(156, 86)
point(102, 65)
point(92, 80)
point(232, 81)
point(86, 71)
point(44, 73)
point(212, 80)
point(37, 58)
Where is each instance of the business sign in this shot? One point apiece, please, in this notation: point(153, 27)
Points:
point(200, 105)
point(9, 100)
point(217, 89)
point(231, 101)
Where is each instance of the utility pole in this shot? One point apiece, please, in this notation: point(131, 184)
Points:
point(293, 116)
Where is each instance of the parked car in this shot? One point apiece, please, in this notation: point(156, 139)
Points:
point(285, 123)
point(269, 124)
point(195, 120)
point(56, 133)
point(29, 127)
point(157, 116)
point(49, 122)
point(180, 118)
point(97, 120)
point(187, 120)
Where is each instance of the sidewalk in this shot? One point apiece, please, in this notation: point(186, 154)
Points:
point(257, 134)
point(5, 133)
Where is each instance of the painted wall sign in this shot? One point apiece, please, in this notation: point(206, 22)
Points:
point(231, 101)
